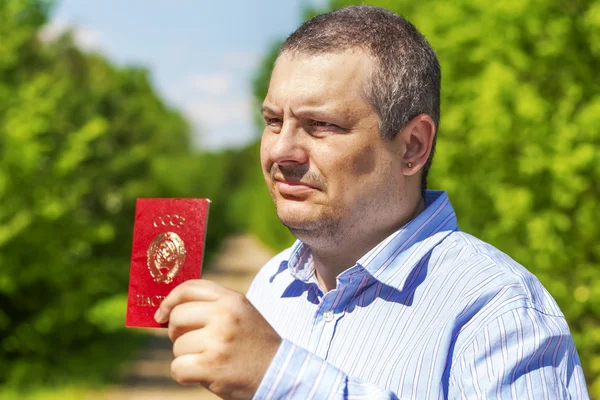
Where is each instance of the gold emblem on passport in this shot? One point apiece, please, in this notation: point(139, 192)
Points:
point(166, 255)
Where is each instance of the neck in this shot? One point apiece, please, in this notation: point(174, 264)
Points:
point(333, 256)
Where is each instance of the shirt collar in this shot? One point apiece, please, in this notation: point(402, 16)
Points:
point(417, 237)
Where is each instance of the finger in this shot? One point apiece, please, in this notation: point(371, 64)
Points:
point(188, 370)
point(189, 316)
point(193, 342)
point(192, 290)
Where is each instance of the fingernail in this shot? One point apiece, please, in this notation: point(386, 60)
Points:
point(157, 316)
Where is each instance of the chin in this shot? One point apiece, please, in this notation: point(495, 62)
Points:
point(297, 214)
point(309, 224)
point(297, 220)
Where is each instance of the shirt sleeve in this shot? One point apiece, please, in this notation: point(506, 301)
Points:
point(522, 354)
point(296, 373)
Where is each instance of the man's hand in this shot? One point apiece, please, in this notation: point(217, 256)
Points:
point(220, 340)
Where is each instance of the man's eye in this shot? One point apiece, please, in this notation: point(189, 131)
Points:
point(324, 124)
point(273, 121)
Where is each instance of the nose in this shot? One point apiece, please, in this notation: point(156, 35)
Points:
point(288, 146)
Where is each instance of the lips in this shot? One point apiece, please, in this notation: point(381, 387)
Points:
point(293, 188)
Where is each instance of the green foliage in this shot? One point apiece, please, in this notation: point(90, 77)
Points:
point(518, 147)
point(80, 140)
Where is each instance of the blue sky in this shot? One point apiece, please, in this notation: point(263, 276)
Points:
point(201, 54)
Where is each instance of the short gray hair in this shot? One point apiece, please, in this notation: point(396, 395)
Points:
point(406, 80)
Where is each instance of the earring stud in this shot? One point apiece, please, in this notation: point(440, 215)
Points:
point(409, 165)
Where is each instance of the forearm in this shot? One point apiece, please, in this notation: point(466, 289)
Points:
point(296, 373)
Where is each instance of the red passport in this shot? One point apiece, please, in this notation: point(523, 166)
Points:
point(168, 247)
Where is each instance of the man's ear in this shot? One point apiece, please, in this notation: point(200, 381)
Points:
point(417, 136)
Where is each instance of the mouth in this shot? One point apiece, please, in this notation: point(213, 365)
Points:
point(293, 189)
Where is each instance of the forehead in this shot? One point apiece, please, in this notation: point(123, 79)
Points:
point(330, 79)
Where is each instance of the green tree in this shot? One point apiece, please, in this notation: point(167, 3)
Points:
point(518, 146)
point(80, 140)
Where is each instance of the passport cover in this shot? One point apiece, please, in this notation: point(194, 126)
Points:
point(167, 250)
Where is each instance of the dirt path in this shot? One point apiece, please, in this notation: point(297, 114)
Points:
point(149, 377)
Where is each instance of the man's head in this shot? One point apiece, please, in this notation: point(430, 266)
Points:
point(406, 78)
point(351, 111)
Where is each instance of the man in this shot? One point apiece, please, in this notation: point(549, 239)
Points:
point(382, 296)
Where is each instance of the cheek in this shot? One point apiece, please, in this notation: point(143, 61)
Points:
point(362, 174)
point(364, 163)
point(350, 175)
point(356, 169)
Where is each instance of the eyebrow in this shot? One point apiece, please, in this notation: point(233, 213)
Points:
point(313, 113)
point(316, 112)
point(267, 110)
point(303, 111)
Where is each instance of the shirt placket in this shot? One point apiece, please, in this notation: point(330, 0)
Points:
point(327, 316)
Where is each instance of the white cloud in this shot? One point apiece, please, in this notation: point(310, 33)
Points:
point(85, 38)
point(241, 60)
point(217, 112)
point(217, 83)
point(222, 121)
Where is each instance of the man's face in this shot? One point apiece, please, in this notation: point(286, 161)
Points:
point(325, 164)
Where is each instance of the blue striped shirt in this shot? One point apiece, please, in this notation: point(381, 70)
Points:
point(429, 313)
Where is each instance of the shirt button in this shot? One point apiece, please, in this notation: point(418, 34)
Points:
point(328, 316)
